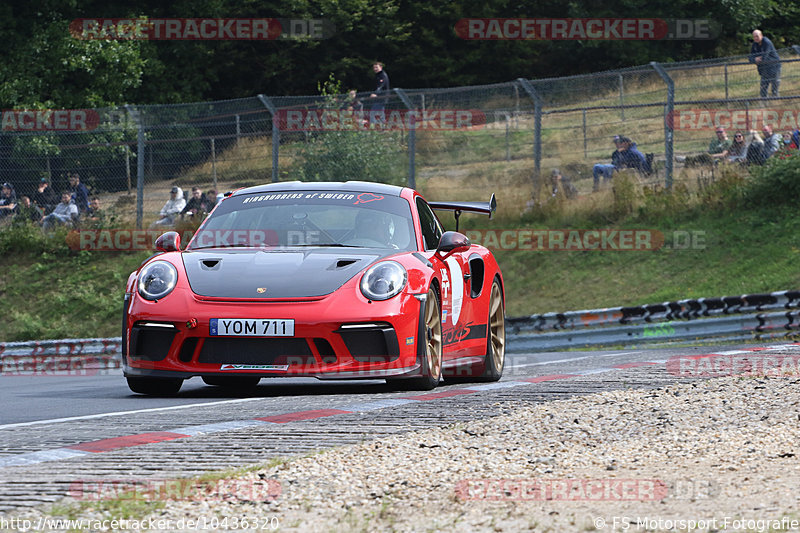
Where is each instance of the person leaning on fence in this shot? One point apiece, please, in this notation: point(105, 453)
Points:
point(382, 87)
point(171, 209)
point(66, 212)
point(8, 201)
point(767, 61)
point(627, 155)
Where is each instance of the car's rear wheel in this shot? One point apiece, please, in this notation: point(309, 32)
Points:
point(495, 358)
point(155, 386)
point(432, 359)
point(232, 382)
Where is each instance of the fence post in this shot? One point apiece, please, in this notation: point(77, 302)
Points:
point(276, 134)
point(214, 162)
point(585, 143)
point(412, 139)
point(140, 151)
point(537, 129)
point(238, 129)
point(668, 118)
point(621, 99)
point(726, 81)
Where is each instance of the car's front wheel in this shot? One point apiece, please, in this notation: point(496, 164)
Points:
point(155, 386)
point(432, 358)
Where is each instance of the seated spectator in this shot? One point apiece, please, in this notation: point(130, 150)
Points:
point(95, 214)
point(171, 209)
point(211, 199)
point(719, 146)
point(196, 204)
point(772, 141)
point(45, 197)
point(737, 152)
point(627, 155)
point(8, 201)
point(65, 212)
point(755, 149)
point(80, 194)
point(27, 212)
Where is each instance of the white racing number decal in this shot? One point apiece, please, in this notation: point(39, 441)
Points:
point(445, 294)
point(251, 327)
point(457, 286)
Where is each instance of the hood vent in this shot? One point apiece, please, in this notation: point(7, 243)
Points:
point(341, 263)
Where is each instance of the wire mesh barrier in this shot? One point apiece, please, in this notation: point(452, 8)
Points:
point(463, 141)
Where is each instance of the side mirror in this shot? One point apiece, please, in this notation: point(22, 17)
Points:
point(169, 242)
point(452, 241)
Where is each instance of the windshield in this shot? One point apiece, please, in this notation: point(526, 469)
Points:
point(308, 218)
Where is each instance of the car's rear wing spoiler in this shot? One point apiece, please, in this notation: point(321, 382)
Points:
point(482, 208)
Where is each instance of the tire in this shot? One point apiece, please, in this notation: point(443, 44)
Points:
point(155, 386)
point(432, 360)
point(495, 358)
point(232, 382)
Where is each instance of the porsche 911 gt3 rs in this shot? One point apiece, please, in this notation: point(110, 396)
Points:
point(348, 280)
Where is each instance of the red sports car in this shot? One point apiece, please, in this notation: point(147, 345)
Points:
point(347, 280)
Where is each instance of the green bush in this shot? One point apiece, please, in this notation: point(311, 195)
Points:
point(775, 183)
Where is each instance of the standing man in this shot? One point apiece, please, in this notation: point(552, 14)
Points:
point(767, 61)
point(381, 86)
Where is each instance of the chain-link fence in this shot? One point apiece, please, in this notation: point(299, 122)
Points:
point(460, 142)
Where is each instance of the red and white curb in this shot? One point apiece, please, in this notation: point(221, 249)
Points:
point(116, 443)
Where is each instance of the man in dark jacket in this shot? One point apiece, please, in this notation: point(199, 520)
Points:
point(45, 197)
point(627, 155)
point(768, 63)
point(80, 194)
point(382, 88)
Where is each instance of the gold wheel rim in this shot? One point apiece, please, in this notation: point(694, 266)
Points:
point(497, 328)
point(433, 329)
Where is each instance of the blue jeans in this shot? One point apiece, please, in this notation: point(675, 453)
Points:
point(602, 170)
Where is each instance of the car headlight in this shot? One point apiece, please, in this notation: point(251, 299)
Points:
point(383, 280)
point(157, 279)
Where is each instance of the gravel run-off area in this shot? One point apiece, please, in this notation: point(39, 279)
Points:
point(710, 455)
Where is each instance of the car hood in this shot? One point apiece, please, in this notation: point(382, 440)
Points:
point(267, 274)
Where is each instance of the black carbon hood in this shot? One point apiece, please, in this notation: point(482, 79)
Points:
point(268, 274)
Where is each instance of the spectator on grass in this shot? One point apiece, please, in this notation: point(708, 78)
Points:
point(80, 194)
point(755, 149)
point(772, 141)
point(737, 152)
point(95, 214)
point(171, 209)
point(719, 145)
point(767, 61)
point(197, 203)
point(45, 197)
point(211, 199)
point(27, 211)
point(8, 201)
point(627, 155)
point(66, 212)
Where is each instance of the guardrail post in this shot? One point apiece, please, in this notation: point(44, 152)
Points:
point(276, 134)
point(668, 119)
point(412, 139)
point(537, 130)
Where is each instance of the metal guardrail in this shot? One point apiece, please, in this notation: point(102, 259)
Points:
point(746, 317)
point(750, 316)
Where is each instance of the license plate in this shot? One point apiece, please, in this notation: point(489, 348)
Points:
point(251, 327)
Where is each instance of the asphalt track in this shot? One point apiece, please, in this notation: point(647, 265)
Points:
point(56, 431)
